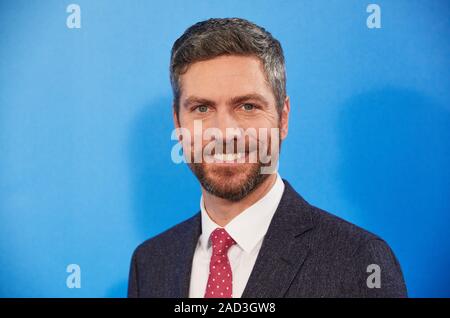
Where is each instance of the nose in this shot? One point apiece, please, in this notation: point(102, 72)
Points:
point(229, 126)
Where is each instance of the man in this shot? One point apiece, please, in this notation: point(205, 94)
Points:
point(254, 236)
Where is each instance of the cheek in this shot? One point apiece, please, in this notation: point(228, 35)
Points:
point(261, 121)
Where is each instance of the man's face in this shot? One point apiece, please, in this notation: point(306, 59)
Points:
point(229, 94)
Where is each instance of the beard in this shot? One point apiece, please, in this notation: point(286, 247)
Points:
point(231, 182)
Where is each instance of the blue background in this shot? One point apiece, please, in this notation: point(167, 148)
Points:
point(85, 125)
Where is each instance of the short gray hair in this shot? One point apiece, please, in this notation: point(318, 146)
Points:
point(229, 36)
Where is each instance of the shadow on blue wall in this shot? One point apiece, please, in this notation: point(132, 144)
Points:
point(160, 200)
point(118, 290)
point(394, 168)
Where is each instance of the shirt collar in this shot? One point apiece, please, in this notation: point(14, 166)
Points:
point(250, 226)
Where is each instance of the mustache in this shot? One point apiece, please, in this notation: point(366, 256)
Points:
point(232, 147)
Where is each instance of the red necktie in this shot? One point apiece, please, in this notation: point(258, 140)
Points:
point(220, 277)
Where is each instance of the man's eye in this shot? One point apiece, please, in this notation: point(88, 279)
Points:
point(202, 108)
point(248, 107)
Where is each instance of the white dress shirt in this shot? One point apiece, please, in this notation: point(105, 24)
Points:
point(247, 229)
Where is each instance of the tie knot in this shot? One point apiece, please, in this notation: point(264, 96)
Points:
point(221, 241)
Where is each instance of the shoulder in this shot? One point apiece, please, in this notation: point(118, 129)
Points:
point(347, 241)
point(338, 232)
point(154, 259)
point(352, 253)
point(326, 228)
point(170, 240)
point(334, 235)
point(335, 239)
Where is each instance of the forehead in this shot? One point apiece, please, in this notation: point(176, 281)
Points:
point(224, 76)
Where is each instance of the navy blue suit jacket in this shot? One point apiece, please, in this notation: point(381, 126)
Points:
point(306, 252)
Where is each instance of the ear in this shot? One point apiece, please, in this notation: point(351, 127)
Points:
point(284, 124)
point(176, 120)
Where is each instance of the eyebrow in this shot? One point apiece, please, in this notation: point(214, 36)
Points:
point(232, 101)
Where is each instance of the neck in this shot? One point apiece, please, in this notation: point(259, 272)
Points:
point(222, 211)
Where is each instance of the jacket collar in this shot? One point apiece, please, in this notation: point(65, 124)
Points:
point(283, 251)
point(284, 248)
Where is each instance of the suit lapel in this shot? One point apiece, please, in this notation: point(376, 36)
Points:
point(188, 242)
point(284, 248)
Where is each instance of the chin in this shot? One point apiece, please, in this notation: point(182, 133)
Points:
point(230, 174)
point(231, 182)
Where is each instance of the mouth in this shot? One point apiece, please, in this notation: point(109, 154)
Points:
point(228, 158)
